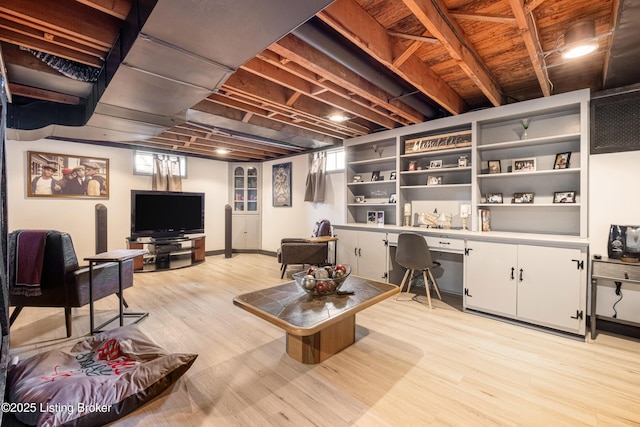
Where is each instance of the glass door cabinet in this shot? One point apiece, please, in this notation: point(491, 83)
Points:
point(245, 189)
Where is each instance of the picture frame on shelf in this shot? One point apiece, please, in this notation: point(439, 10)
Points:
point(435, 164)
point(494, 198)
point(380, 218)
point(494, 166)
point(523, 197)
point(524, 165)
point(393, 198)
point(564, 197)
point(359, 199)
point(392, 175)
point(413, 165)
point(372, 217)
point(434, 180)
point(357, 178)
point(463, 162)
point(375, 176)
point(562, 160)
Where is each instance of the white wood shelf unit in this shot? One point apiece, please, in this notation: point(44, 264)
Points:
point(558, 124)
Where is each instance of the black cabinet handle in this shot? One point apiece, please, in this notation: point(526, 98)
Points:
point(521, 275)
point(512, 271)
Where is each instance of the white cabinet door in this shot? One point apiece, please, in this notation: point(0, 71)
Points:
point(238, 231)
point(364, 251)
point(550, 292)
point(541, 285)
point(252, 232)
point(347, 249)
point(372, 255)
point(245, 233)
point(491, 281)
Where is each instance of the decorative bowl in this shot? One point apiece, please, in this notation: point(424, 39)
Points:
point(320, 281)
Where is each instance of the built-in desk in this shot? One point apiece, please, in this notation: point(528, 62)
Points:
point(618, 272)
point(536, 279)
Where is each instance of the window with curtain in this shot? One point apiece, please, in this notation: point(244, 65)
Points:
point(335, 160)
point(143, 163)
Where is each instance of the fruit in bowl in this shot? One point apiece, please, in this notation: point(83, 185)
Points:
point(322, 280)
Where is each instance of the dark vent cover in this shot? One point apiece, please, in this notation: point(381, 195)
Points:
point(615, 123)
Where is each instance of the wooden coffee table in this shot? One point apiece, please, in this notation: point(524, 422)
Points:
point(316, 327)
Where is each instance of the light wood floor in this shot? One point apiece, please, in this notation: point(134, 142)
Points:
point(410, 366)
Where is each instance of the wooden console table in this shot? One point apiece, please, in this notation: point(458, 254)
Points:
point(119, 256)
point(316, 327)
point(616, 271)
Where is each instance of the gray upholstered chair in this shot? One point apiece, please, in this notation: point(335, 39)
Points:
point(294, 251)
point(63, 283)
point(413, 254)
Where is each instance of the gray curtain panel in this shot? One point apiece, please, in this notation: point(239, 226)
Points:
point(315, 188)
point(166, 174)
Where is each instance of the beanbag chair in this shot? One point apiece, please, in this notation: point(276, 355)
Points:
point(97, 381)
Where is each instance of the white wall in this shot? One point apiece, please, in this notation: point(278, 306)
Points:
point(613, 200)
point(77, 215)
point(299, 219)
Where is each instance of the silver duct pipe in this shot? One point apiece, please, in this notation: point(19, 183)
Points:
point(312, 35)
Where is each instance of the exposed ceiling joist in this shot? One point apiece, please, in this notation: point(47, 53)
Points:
point(381, 63)
point(350, 20)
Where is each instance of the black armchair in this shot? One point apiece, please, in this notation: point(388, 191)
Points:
point(62, 282)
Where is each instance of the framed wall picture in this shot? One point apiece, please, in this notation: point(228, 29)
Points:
point(434, 180)
point(562, 160)
point(494, 197)
point(64, 175)
point(494, 166)
point(564, 197)
point(523, 197)
point(524, 165)
point(435, 164)
point(282, 185)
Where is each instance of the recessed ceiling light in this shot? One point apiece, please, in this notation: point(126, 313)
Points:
point(338, 118)
point(222, 151)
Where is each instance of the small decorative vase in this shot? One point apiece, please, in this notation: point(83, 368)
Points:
point(525, 126)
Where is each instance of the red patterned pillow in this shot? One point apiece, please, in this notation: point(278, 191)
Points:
point(97, 381)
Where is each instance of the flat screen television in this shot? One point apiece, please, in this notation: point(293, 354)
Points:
point(166, 214)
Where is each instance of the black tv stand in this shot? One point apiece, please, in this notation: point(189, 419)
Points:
point(168, 253)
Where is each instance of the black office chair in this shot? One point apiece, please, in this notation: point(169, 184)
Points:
point(413, 254)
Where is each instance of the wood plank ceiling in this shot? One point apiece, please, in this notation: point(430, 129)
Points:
point(448, 56)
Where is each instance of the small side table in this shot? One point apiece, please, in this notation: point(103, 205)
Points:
point(327, 239)
point(618, 272)
point(119, 256)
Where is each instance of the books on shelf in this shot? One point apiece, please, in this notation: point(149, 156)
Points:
point(484, 216)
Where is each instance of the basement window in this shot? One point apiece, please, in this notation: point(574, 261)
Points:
point(335, 160)
point(143, 163)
